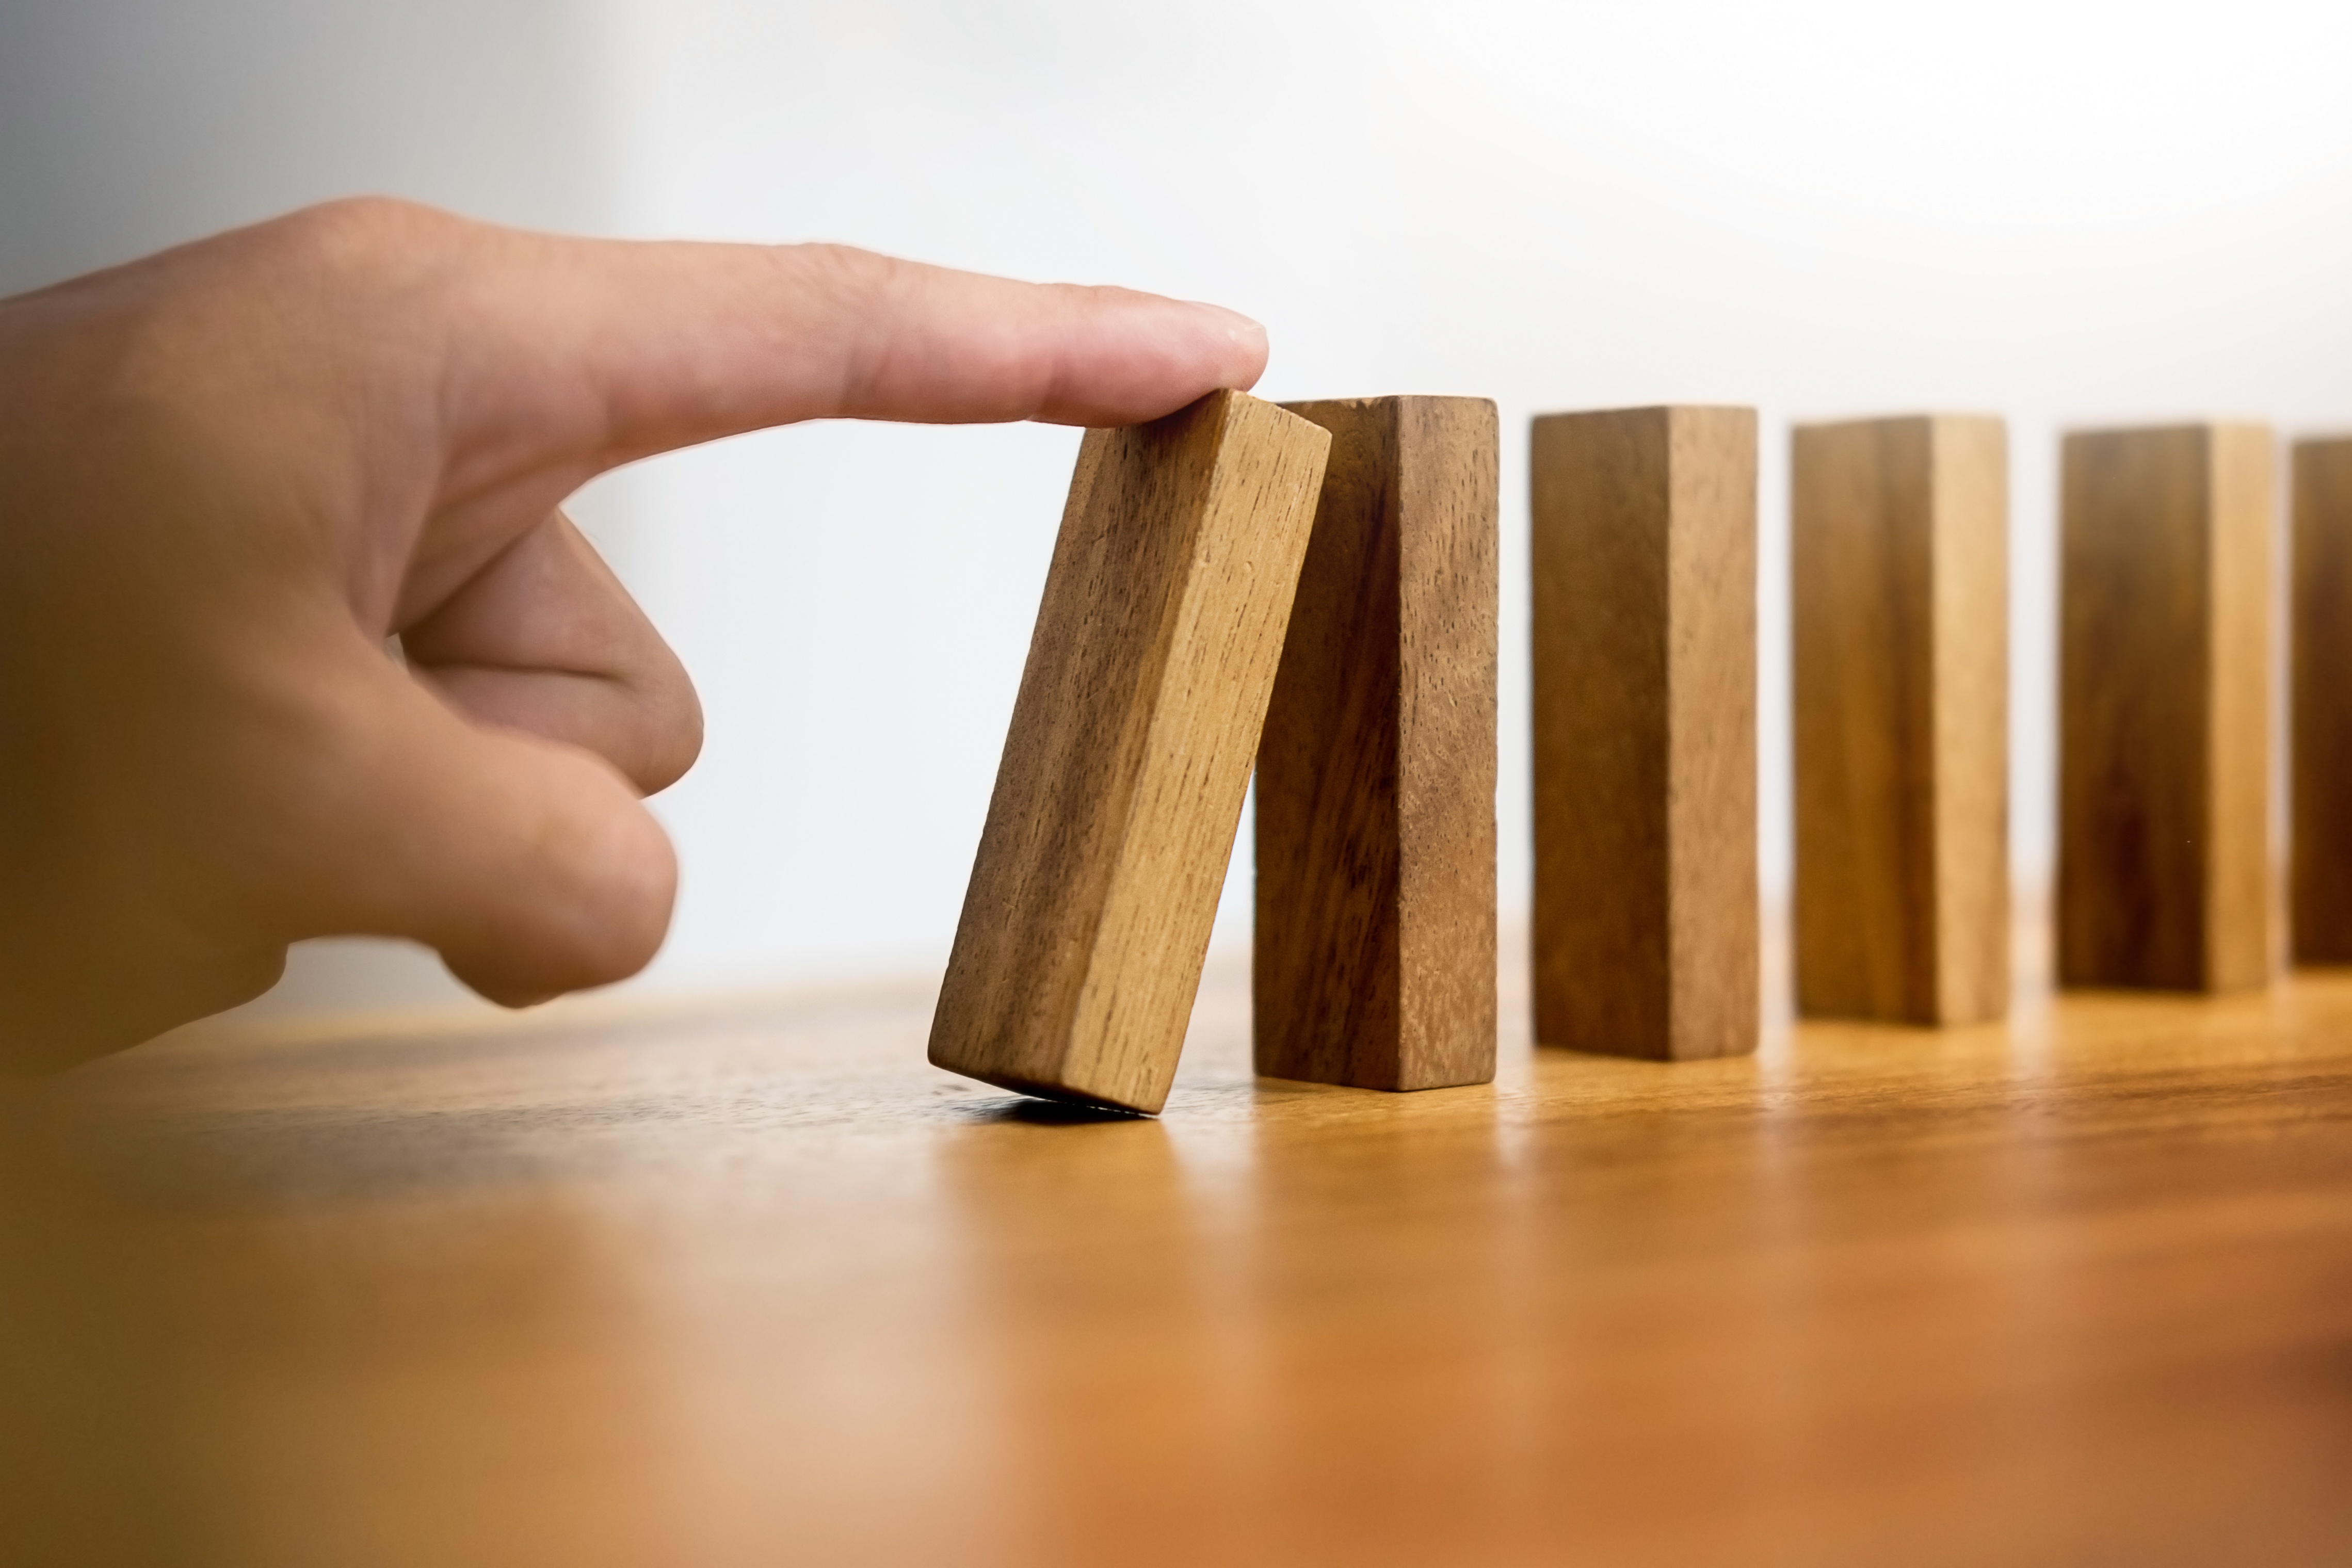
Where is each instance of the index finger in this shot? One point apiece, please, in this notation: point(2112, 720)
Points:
point(638, 348)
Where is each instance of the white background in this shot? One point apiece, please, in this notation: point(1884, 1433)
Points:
point(2067, 214)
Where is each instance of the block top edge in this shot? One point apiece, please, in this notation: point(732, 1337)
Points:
point(1387, 399)
point(1880, 421)
point(1654, 411)
point(2208, 427)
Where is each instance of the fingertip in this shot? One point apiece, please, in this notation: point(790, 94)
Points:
point(1124, 358)
point(1244, 344)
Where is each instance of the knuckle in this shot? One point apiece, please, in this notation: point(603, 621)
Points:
point(356, 247)
point(674, 750)
point(268, 300)
point(358, 230)
point(850, 275)
point(669, 723)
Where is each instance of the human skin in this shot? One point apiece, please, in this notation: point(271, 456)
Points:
point(231, 473)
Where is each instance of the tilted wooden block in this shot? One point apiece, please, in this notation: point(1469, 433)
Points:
point(2320, 700)
point(1087, 917)
point(2164, 757)
point(1645, 898)
point(1899, 552)
point(1374, 962)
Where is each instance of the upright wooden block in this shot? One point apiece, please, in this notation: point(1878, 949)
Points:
point(1374, 963)
point(1646, 897)
point(1087, 917)
point(1899, 537)
point(2164, 870)
point(2320, 702)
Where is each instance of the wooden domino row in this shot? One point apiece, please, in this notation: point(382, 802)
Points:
point(1312, 588)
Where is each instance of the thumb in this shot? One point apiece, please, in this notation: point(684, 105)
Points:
point(529, 865)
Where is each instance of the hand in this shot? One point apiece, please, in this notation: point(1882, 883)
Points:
point(231, 473)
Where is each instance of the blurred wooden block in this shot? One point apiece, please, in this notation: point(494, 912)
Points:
point(2320, 858)
point(2164, 870)
point(1899, 534)
point(1374, 960)
point(1115, 804)
point(1645, 685)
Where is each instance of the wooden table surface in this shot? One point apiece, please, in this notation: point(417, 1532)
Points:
point(752, 1284)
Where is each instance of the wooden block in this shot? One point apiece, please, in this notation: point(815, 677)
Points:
point(2320, 696)
point(2164, 766)
point(1088, 913)
point(1374, 963)
point(1645, 898)
point(1899, 552)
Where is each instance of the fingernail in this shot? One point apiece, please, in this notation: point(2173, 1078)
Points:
point(1238, 326)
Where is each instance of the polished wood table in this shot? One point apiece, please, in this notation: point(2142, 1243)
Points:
point(749, 1283)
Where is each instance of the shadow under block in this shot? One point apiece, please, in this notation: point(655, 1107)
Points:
point(2164, 752)
point(1645, 937)
point(2320, 705)
point(1899, 583)
point(1374, 961)
point(1116, 805)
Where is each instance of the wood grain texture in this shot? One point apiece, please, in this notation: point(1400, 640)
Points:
point(1899, 584)
point(2164, 859)
point(1116, 803)
point(2320, 704)
point(1373, 960)
point(748, 1284)
point(1645, 925)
